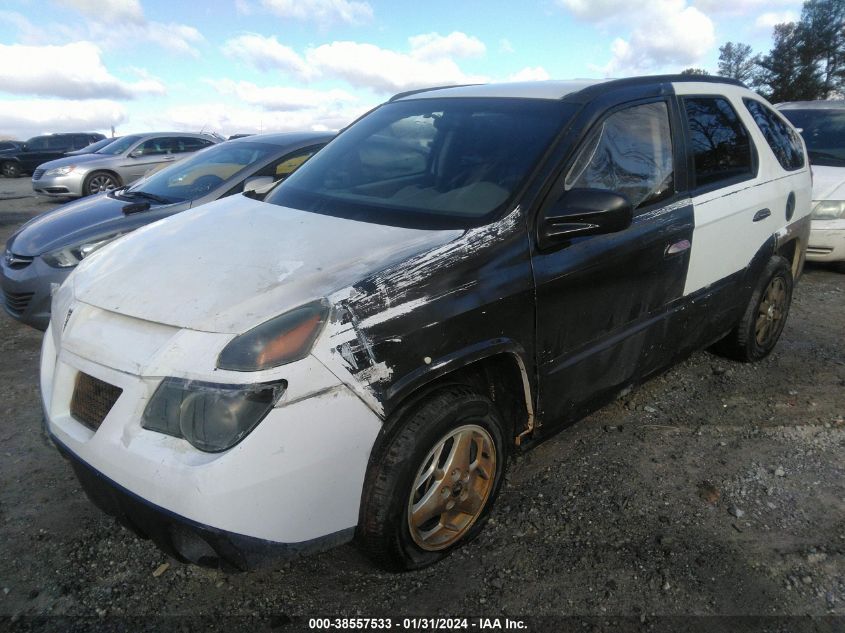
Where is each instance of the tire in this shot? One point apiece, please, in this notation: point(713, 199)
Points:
point(400, 526)
point(10, 169)
point(98, 182)
point(764, 317)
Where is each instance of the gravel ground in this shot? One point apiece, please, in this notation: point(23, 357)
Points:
point(716, 489)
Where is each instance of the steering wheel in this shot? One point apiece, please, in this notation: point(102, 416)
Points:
point(207, 182)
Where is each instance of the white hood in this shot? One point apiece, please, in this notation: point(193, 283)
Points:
point(232, 264)
point(828, 183)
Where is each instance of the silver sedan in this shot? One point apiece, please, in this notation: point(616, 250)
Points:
point(117, 164)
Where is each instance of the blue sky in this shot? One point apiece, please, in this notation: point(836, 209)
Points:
point(265, 65)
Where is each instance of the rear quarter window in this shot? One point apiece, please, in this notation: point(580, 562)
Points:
point(780, 136)
point(721, 146)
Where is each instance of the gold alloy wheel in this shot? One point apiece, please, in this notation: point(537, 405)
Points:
point(771, 311)
point(451, 487)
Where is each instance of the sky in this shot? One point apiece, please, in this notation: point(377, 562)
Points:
point(243, 66)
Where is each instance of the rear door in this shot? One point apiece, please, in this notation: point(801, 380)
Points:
point(147, 155)
point(741, 197)
point(603, 301)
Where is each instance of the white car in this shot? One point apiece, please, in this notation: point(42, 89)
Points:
point(455, 276)
point(822, 124)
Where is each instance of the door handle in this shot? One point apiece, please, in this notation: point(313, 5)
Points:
point(677, 248)
point(762, 214)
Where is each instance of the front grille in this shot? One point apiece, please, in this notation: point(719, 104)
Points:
point(37, 174)
point(16, 261)
point(92, 400)
point(16, 302)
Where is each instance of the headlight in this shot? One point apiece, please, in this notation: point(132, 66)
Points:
point(828, 209)
point(212, 417)
point(284, 339)
point(60, 171)
point(71, 255)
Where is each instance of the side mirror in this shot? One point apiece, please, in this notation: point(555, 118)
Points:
point(257, 183)
point(582, 212)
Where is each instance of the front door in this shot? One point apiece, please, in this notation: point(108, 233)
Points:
point(603, 301)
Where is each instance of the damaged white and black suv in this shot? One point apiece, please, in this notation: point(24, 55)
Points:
point(460, 273)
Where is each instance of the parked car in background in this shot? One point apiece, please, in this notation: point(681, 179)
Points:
point(10, 146)
point(822, 124)
point(117, 164)
point(93, 147)
point(40, 149)
point(462, 271)
point(45, 250)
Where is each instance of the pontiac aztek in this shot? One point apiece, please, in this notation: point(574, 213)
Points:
point(461, 272)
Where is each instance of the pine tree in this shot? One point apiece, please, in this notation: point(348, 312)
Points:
point(737, 62)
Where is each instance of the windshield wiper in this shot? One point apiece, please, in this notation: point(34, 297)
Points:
point(146, 196)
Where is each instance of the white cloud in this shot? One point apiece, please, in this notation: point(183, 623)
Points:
point(323, 12)
point(107, 10)
point(266, 53)
point(768, 20)
point(434, 46)
point(428, 62)
point(368, 66)
point(505, 46)
point(26, 118)
point(661, 33)
point(225, 119)
point(107, 32)
point(743, 7)
point(71, 71)
point(283, 98)
point(537, 73)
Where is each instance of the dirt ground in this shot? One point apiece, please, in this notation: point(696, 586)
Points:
point(717, 489)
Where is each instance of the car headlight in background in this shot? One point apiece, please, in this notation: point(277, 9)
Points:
point(60, 171)
point(212, 417)
point(70, 256)
point(284, 339)
point(828, 209)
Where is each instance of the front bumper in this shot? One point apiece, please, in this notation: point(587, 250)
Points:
point(68, 186)
point(27, 291)
point(827, 241)
point(292, 486)
point(186, 540)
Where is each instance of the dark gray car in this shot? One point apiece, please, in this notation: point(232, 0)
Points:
point(43, 252)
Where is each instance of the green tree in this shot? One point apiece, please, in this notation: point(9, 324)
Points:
point(789, 72)
point(823, 33)
point(694, 71)
point(737, 62)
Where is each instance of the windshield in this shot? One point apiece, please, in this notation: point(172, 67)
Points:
point(824, 133)
point(119, 146)
point(454, 161)
point(195, 176)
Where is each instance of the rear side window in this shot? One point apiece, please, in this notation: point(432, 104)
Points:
point(629, 153)
point(720, 143)
point(191, 144)
point(779, 135)
point(59, 142)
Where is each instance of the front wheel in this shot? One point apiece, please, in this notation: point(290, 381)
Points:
point(99, 182)
point(765, 315)
point(430, 488)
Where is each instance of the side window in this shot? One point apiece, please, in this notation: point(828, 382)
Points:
point(153, 147)
point(191, 144)
point(779, 135)
point(37, 144)
point(81, 140)
point(720, 143)
point(58, 143)
point(289, 164)
point(629, 153)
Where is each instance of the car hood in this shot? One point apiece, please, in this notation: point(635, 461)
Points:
point(68, 160)
point(231, 264)
point(828, 183)
point(76, 222)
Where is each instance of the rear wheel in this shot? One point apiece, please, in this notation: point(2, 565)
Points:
point(431, 486)
point(10, 170)
point(99, 182)
point(765, 316)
